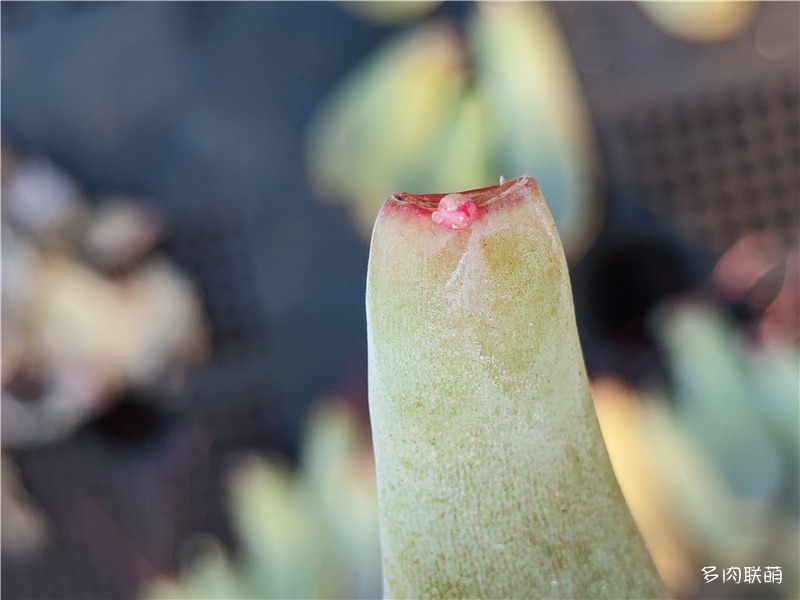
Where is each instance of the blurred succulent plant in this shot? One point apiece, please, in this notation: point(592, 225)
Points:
point(758, 273)
point(701, 21)
point(25, 528)
point(435, 110)
point(711, 477)
point(390, 11)
point(88, 308)
point(739, 403)
point(308, 534)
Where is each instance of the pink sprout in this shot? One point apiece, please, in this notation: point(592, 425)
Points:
point(455, 211)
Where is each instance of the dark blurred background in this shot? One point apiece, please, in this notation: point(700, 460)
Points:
point(187, 195)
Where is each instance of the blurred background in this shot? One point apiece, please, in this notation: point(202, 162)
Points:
point(188, 191)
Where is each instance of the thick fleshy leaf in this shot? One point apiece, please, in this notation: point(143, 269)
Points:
point(382, 129)
point(493, 480)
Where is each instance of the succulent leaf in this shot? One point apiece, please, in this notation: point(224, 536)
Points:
point(493, 480)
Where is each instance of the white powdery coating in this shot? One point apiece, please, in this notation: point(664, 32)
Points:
point(492, 477)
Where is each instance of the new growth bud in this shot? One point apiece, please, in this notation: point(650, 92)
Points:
point(455, 211)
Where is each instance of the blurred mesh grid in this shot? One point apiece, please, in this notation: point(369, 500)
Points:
point(723, 165)
point(215, 253)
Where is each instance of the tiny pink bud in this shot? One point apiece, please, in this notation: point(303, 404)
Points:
point(455, 211)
